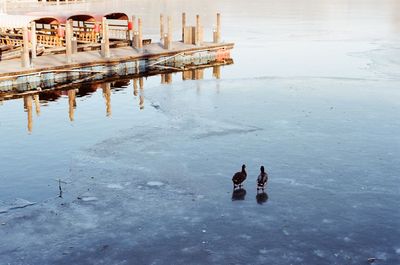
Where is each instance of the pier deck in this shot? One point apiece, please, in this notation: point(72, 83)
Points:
point(50, 70)
point(88, 58)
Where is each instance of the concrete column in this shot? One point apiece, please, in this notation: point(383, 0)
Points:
point(68, 41)
point(161, 27)
point(183, 26)
point(197, 38)
point(140, 33)
point(218, 32)
point(33, 39)
point(25, 61)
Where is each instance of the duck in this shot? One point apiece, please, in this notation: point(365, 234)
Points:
point(239, 177)
point(262, 179)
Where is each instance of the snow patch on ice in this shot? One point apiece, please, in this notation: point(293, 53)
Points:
point(115, 186)
point(319, 253)
point(155, 183)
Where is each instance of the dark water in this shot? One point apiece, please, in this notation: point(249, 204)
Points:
point(313, 96)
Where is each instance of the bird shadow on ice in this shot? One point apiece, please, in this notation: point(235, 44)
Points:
point(238, 194)
point(262, 197)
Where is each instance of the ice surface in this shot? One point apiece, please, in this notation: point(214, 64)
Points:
point(313, 96)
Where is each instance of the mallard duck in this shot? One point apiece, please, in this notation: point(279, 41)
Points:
point(262, 179)
point(239, 177)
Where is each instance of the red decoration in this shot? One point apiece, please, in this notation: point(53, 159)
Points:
point(97, 28)
point(130, 25)
point(60, 32)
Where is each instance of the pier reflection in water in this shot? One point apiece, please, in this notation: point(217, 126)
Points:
point(43, 98)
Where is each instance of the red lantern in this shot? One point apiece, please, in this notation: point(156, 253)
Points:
point(130, 25)
point(60, 32)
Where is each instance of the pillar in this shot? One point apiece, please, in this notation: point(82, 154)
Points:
point(105, 45)
point(33, 39)
point(197, 38)
point(25, 61)
point(169, 38)
point(161, 27)
point(68, 41)
point(183, 26)
point(218, 32)
point(140, 33)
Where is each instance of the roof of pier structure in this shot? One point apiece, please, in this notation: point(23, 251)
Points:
point(63, 16)
point(16, 21)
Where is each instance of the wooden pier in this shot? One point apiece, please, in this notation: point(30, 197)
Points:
point(82, 48)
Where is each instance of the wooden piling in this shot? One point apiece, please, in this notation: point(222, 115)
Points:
point(169, 38)
point(68, 41)
point(33, 39)
point(183, 26)
point(217, 72)
point(161, 27)
point(25, 61)
point(197, 42)
point(218, 32)
point(140, 33)
point(106, 40)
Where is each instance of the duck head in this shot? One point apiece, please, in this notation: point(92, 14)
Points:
point(262, 169)
point(243, 167)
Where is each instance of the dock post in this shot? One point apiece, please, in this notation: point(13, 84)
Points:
point(197, 38)
point(217, 71)
point(105, 45)
point(136, 39)
point(218, 32)
point(133, 31)
point(68, 40)
point(161, 27)
point(183, 26)
point(169, 37)
point(25, 62)
point(130, 30)
point(140, 39)
point(33, 39)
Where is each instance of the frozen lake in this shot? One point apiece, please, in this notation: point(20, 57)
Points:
point(313, 95)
